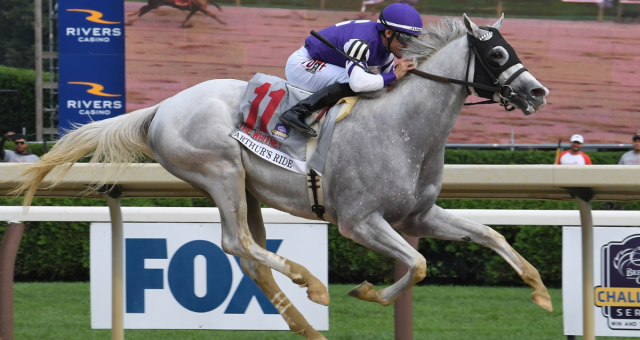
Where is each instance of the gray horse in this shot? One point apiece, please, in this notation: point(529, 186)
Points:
point(383, 173)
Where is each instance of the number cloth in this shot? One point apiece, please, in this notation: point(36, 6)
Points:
point(261, 132)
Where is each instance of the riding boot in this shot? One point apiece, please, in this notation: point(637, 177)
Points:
point(296, 116)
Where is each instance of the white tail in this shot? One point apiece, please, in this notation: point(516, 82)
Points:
point(118, 140)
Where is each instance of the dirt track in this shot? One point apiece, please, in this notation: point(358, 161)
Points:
point(591, 68)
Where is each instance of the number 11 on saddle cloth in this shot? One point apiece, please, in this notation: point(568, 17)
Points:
point(265, 100)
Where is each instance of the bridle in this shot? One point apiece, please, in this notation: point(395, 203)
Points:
point(504, 90)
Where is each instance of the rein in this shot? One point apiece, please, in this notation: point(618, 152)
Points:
point(504, 90)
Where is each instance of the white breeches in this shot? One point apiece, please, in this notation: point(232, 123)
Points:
point(312, 75)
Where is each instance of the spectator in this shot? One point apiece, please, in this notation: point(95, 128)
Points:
point(632, 157)
point(21, 155)
point(574, 156)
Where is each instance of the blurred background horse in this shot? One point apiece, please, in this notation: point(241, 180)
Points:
point(193, 6)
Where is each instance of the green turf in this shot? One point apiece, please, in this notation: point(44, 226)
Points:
point(62, 311)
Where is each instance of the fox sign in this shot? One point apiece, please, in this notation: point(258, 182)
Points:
point(178, 277)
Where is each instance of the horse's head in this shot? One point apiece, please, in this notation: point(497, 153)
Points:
point(497, 64)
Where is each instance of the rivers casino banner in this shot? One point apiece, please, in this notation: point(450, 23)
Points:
point(616, 278)
point(91, 61)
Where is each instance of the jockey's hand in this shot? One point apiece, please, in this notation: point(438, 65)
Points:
point(402, 68)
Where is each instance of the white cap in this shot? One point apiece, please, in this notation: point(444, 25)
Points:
point(577, 138)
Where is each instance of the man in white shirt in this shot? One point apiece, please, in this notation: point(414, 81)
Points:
point(574, 156)
point(632, 157)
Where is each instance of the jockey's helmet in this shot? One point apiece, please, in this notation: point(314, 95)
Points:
point(400, 18)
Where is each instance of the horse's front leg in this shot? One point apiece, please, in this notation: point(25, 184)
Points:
point(375, 233)
point(191, 13)
point(440, 224)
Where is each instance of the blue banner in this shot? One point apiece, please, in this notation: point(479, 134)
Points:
point(91, 61)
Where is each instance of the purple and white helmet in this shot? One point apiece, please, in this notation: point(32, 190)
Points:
point(400, 17)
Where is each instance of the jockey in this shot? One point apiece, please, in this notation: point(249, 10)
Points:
point(318, 68)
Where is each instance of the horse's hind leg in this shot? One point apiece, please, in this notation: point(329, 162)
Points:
point(209, 13)
point(224, 180)
point(142, 11)
point(375, 233)
point(263, 277)
point(438, 223)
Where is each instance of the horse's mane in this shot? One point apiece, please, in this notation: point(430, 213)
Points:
point(434, 37)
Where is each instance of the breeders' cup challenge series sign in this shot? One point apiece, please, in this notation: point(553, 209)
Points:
point(616, 281)
point(91, 60)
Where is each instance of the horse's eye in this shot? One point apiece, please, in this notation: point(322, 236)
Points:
point(497, 57)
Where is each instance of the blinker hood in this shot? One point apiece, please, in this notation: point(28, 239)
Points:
point(484, 48)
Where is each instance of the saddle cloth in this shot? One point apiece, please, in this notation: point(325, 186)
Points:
point(261, 131)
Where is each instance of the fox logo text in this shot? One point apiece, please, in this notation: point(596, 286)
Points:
point(178, 277)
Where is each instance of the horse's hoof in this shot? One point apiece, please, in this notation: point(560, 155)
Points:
point(364, 291)
point(312, 334)
point(188, 25)
point(128, 23)
point(543, 300)
point(319, 295)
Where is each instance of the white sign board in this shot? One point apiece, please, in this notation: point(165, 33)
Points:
point(178, 277)
point(616, 281)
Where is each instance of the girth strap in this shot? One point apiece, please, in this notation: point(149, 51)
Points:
point(314, 181)
point(314, 184)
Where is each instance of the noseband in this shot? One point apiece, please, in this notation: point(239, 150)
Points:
point(485, 87)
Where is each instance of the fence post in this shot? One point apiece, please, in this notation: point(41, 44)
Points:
point(403, 307)
point(117, 257)
point(8, 252)
point(588, 295)
point(583, 196)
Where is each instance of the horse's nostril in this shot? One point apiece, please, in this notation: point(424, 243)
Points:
point(537, 92)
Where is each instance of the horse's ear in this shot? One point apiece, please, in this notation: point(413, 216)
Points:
point(498, 23)
point(472, 28)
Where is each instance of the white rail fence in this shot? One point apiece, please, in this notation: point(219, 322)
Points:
point(212, 215)
point(546, 182)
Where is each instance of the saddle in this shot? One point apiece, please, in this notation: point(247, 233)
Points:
point(261, 132)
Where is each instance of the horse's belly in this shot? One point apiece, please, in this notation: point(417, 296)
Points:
point(276, 187)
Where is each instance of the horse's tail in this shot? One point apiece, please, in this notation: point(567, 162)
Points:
point(119, 140)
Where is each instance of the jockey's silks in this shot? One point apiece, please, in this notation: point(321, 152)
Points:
point(340, 34)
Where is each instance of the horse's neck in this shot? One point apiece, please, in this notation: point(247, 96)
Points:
point(433, 107)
